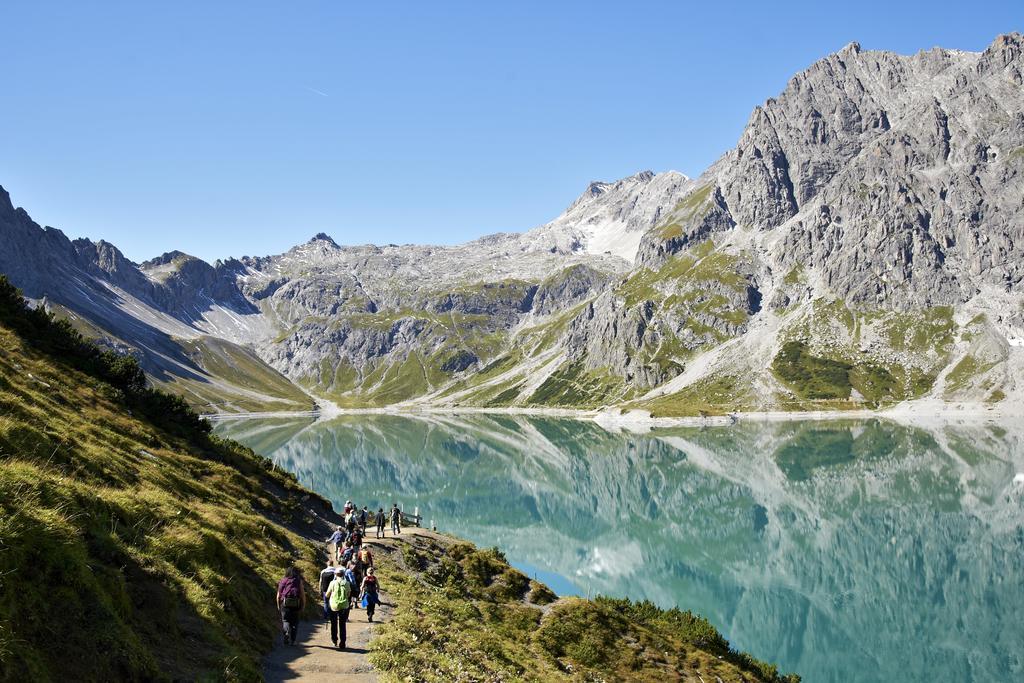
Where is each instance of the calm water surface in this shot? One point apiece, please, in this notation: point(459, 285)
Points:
point(853, 551)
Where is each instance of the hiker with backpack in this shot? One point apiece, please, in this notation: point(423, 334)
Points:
point(326, 576)
point(291, 599)
point(365, 557)
point(347, 553)
point(380, 523)
point(370, 593)
point(339, 599)
point(396, 520)
point(362, 520)
point(353, 578)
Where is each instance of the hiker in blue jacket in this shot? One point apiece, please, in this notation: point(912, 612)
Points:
point(336, 539)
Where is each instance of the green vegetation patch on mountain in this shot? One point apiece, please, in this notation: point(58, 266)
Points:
point(928, 330)
point(572, 385)
point(465, 614)
point(704, 289)
point(685, 212)
point(716, 395)
point(886, 356)
point(133, 544)
point(242, 381)
point(452, 346)
point(697, 268)
point(483, 295)
point(964, 372)
point(483, 388)
point(810, 376)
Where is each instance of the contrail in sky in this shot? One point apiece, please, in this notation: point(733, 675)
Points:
point(318, 92)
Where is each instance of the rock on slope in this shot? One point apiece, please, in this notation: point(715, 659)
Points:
point(861, 243)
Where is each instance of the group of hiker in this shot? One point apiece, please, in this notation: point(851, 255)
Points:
point(348, 578)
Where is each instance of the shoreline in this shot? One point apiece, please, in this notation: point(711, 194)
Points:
point(614, 419)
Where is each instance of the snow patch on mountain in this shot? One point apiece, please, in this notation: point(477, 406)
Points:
point(610, 218)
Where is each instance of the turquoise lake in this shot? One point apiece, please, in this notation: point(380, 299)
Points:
point(843, 551)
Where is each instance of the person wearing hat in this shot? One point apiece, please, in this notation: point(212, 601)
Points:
point(339, 599)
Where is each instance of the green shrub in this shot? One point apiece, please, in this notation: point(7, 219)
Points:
point(694, 630)
point(540, 594)
point(809, 376)
point(582, 631)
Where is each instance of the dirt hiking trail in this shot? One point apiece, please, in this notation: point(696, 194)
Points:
point(313, 658)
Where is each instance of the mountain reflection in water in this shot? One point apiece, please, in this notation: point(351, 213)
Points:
point(844, 551)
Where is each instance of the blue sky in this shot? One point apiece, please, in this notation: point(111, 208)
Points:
point(244, 128)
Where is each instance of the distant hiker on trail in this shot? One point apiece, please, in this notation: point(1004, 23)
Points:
point(356, 539)
point(362, 520)
point(346, 555)
point(380, 523)
point(291, 599)
point(352, 576)
point(336, 539)
point(396, 520)
point(339, 598)
point(369, 590)
point(365, 556)
point(326, 576)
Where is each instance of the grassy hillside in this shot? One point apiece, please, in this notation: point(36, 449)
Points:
point(464, 614)
point(133, 545)
point(136, 546)
point(237, 381)
point(212, 374)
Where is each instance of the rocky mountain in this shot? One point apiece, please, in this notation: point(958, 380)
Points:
point(861, 244)
point(611, 218)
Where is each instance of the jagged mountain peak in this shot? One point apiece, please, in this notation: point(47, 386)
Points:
point(325, 238)
point(5, 201)
point(611, 217)
point(597, 188)
point(1004, 54)
point(167, 258)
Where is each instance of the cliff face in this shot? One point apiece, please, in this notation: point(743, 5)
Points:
point(896, 178)
point(870, 215)
point(888, 184)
